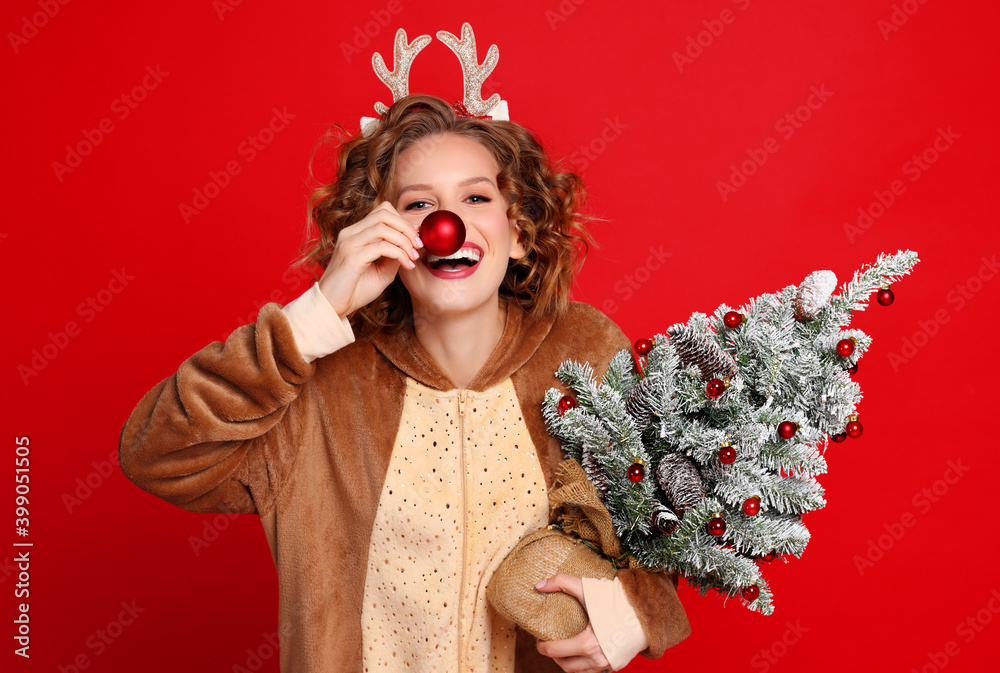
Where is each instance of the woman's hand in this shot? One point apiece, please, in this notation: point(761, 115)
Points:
point(581, 653)
point(367, 256)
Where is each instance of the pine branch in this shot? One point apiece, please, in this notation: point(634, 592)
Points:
point(886, 269)
point(758, 535)
point(620, 375)
point(739, 481)
point(801, 459)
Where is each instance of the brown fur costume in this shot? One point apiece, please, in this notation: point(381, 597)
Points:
point(249, 426)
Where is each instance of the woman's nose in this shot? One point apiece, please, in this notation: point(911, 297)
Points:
point(454, 205)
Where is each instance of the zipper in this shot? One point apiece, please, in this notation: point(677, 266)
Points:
point(465, 526)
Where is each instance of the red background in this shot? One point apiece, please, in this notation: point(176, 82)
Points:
point(570, 71)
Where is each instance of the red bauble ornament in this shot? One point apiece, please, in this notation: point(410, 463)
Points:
point(733, 319)
point(565, 404)
point(751, 506)
point(643, 346)
point(751, 593)
point(853, 369)
point(442, 232)
point(845, 347)
point(716, 525)
point(636, 471)
point(839, 437)
point(854, 428)
point(787, 429)
point(727, 455)
point(768, 557)
point(885, 297)
point(715, 388)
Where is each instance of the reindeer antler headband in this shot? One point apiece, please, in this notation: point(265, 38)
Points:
point(473, 75)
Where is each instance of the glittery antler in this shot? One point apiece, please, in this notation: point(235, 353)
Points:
point(403, 55)
point(473, 73)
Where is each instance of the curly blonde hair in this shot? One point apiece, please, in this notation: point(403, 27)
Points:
point(541, 199)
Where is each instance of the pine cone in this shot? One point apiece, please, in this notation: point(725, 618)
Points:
point(702, 351)
point(813, 294)
point(663, 520)
point(639, 404)
point(678, 476)
point(594, 471)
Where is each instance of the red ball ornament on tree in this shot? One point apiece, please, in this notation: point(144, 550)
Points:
point(715, 388)
point(854, 428)
point(853, 369)
point(727, 454)
point(442, 232)
point(733, 319)
point(643, 346)
point(845, 347)
point(787, 429)
point(565, 404)
point(636, 471)
point(839, 437)
point(750, 593)
point(885, 296)
point(768, 557)
point(751, 506)
point(716, 525)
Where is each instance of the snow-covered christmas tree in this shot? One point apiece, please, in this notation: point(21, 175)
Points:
point(705, 445)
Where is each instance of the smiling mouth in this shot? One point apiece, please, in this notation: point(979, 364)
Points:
point(451, 264)
point(466, 258)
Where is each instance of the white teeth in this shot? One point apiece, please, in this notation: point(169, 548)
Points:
point(464, 253)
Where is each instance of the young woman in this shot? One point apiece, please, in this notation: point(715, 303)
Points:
point(386, 426)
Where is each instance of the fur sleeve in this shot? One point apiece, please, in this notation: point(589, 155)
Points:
point(653, 595)
point(196, 439)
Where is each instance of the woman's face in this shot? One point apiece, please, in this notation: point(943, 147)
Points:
point(453, 172)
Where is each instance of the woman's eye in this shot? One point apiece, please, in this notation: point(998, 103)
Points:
point(482, 199)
